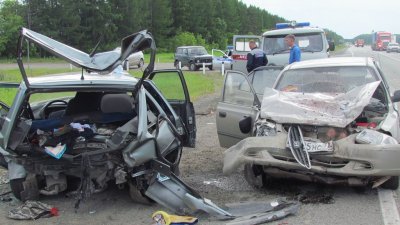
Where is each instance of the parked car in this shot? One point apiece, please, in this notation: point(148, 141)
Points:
point(220, 57)
point(192, 57)
point(98, 126)
point(326, 120)
point(134, 59)
point(393, 47)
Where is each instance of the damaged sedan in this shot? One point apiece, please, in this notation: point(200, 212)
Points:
point(329, 120)
point(78, 132)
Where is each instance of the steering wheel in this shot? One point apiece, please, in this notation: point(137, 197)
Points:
point(43, 112)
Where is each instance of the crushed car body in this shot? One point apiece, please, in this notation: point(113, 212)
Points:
point(330, 120)
point(98, 126)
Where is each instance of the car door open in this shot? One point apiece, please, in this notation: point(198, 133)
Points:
point(173, 86)
point(238, 104)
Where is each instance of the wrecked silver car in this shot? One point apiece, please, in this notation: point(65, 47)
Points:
point(330, 120)
point(97, 126)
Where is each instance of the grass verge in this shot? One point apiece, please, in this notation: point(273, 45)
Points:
point(198, 84)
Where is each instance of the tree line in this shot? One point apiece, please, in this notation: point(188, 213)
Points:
point(83, 23)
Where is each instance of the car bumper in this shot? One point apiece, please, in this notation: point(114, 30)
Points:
point(347, 158)
point(201, 64)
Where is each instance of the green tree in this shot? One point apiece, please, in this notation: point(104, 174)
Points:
point(10, 23)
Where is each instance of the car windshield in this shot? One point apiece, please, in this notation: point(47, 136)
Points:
point(338, 79)
point(197, 51)
point(264, 78)
point(311, 42)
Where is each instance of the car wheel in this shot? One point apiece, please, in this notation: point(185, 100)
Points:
point(176, 64)
point(392, 183)
point(141, 63)
point(210, 67)
point(23, 194)
point(192, 67)
point(137, 195)
point(255, 176)
point(3, 162)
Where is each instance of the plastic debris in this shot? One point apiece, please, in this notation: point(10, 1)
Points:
point(32, 210)
point(163, 218)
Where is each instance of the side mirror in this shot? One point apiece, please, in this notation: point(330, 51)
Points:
point(331, 46)
point(225, 56)
point(396, 96)
point(245, 125)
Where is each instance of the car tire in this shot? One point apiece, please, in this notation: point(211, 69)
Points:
point(17, 187)
point(137, 195)
point(192, 67)
point(210, 67)
point(3, 162)
point(392, 183)
point(255, 176)
point(141, 63)
point(176, 64)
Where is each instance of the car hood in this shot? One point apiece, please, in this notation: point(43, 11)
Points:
point(202, 56)
point(321, 109)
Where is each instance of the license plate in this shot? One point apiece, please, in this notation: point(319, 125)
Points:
point(310, 146)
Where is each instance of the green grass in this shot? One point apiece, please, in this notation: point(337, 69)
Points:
point(13, 75)
point(161, 57)
point(198, 84)
point(340, 47)
point(34, 60)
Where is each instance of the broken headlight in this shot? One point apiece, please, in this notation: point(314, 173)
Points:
point(265, 128)
point(374, 137)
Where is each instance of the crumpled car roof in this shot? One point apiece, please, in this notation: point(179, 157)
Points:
point(316, 108)
point(99, 62)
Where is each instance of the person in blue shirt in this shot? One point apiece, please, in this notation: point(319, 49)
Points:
point(256, 57)
point(295, 53)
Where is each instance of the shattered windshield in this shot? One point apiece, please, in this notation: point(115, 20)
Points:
point(264, 78)
point(338, 79)
point(311, 42)
point(197, 51)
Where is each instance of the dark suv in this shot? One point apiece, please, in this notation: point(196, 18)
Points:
point(192, 57)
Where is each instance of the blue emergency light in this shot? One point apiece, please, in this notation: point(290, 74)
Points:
point(291, 24)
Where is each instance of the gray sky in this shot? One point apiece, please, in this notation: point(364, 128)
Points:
point(348, 18)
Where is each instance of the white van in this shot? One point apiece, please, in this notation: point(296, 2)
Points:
point(312, 42)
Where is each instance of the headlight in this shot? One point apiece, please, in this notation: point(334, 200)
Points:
point(265, 128)
point(375, 138)
point(198, 61)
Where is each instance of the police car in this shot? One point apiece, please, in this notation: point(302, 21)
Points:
point(311, 40)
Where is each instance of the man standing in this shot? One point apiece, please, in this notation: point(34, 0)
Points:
point(295, 53)
point(256, 57)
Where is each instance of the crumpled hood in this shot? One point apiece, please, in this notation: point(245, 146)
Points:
point(322, 109)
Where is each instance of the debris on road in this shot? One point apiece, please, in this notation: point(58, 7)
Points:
point(32, 210)
point(163, 218)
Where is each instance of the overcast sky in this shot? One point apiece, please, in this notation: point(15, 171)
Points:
point(348, 18)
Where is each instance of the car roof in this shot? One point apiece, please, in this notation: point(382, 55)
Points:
point(329, 62)
point(191, 47)
point(74, 78)
point(297, 30)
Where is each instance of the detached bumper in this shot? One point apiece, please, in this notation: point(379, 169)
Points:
point(347, 159)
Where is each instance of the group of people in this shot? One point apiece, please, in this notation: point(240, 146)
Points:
point(257, 57)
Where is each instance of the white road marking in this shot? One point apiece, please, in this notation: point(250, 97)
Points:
point(389, 209)
point(391, 57)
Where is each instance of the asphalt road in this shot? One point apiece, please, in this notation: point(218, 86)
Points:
point(202, 169)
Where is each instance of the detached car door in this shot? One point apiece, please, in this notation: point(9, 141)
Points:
point(172, 85)
point(237, 102)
